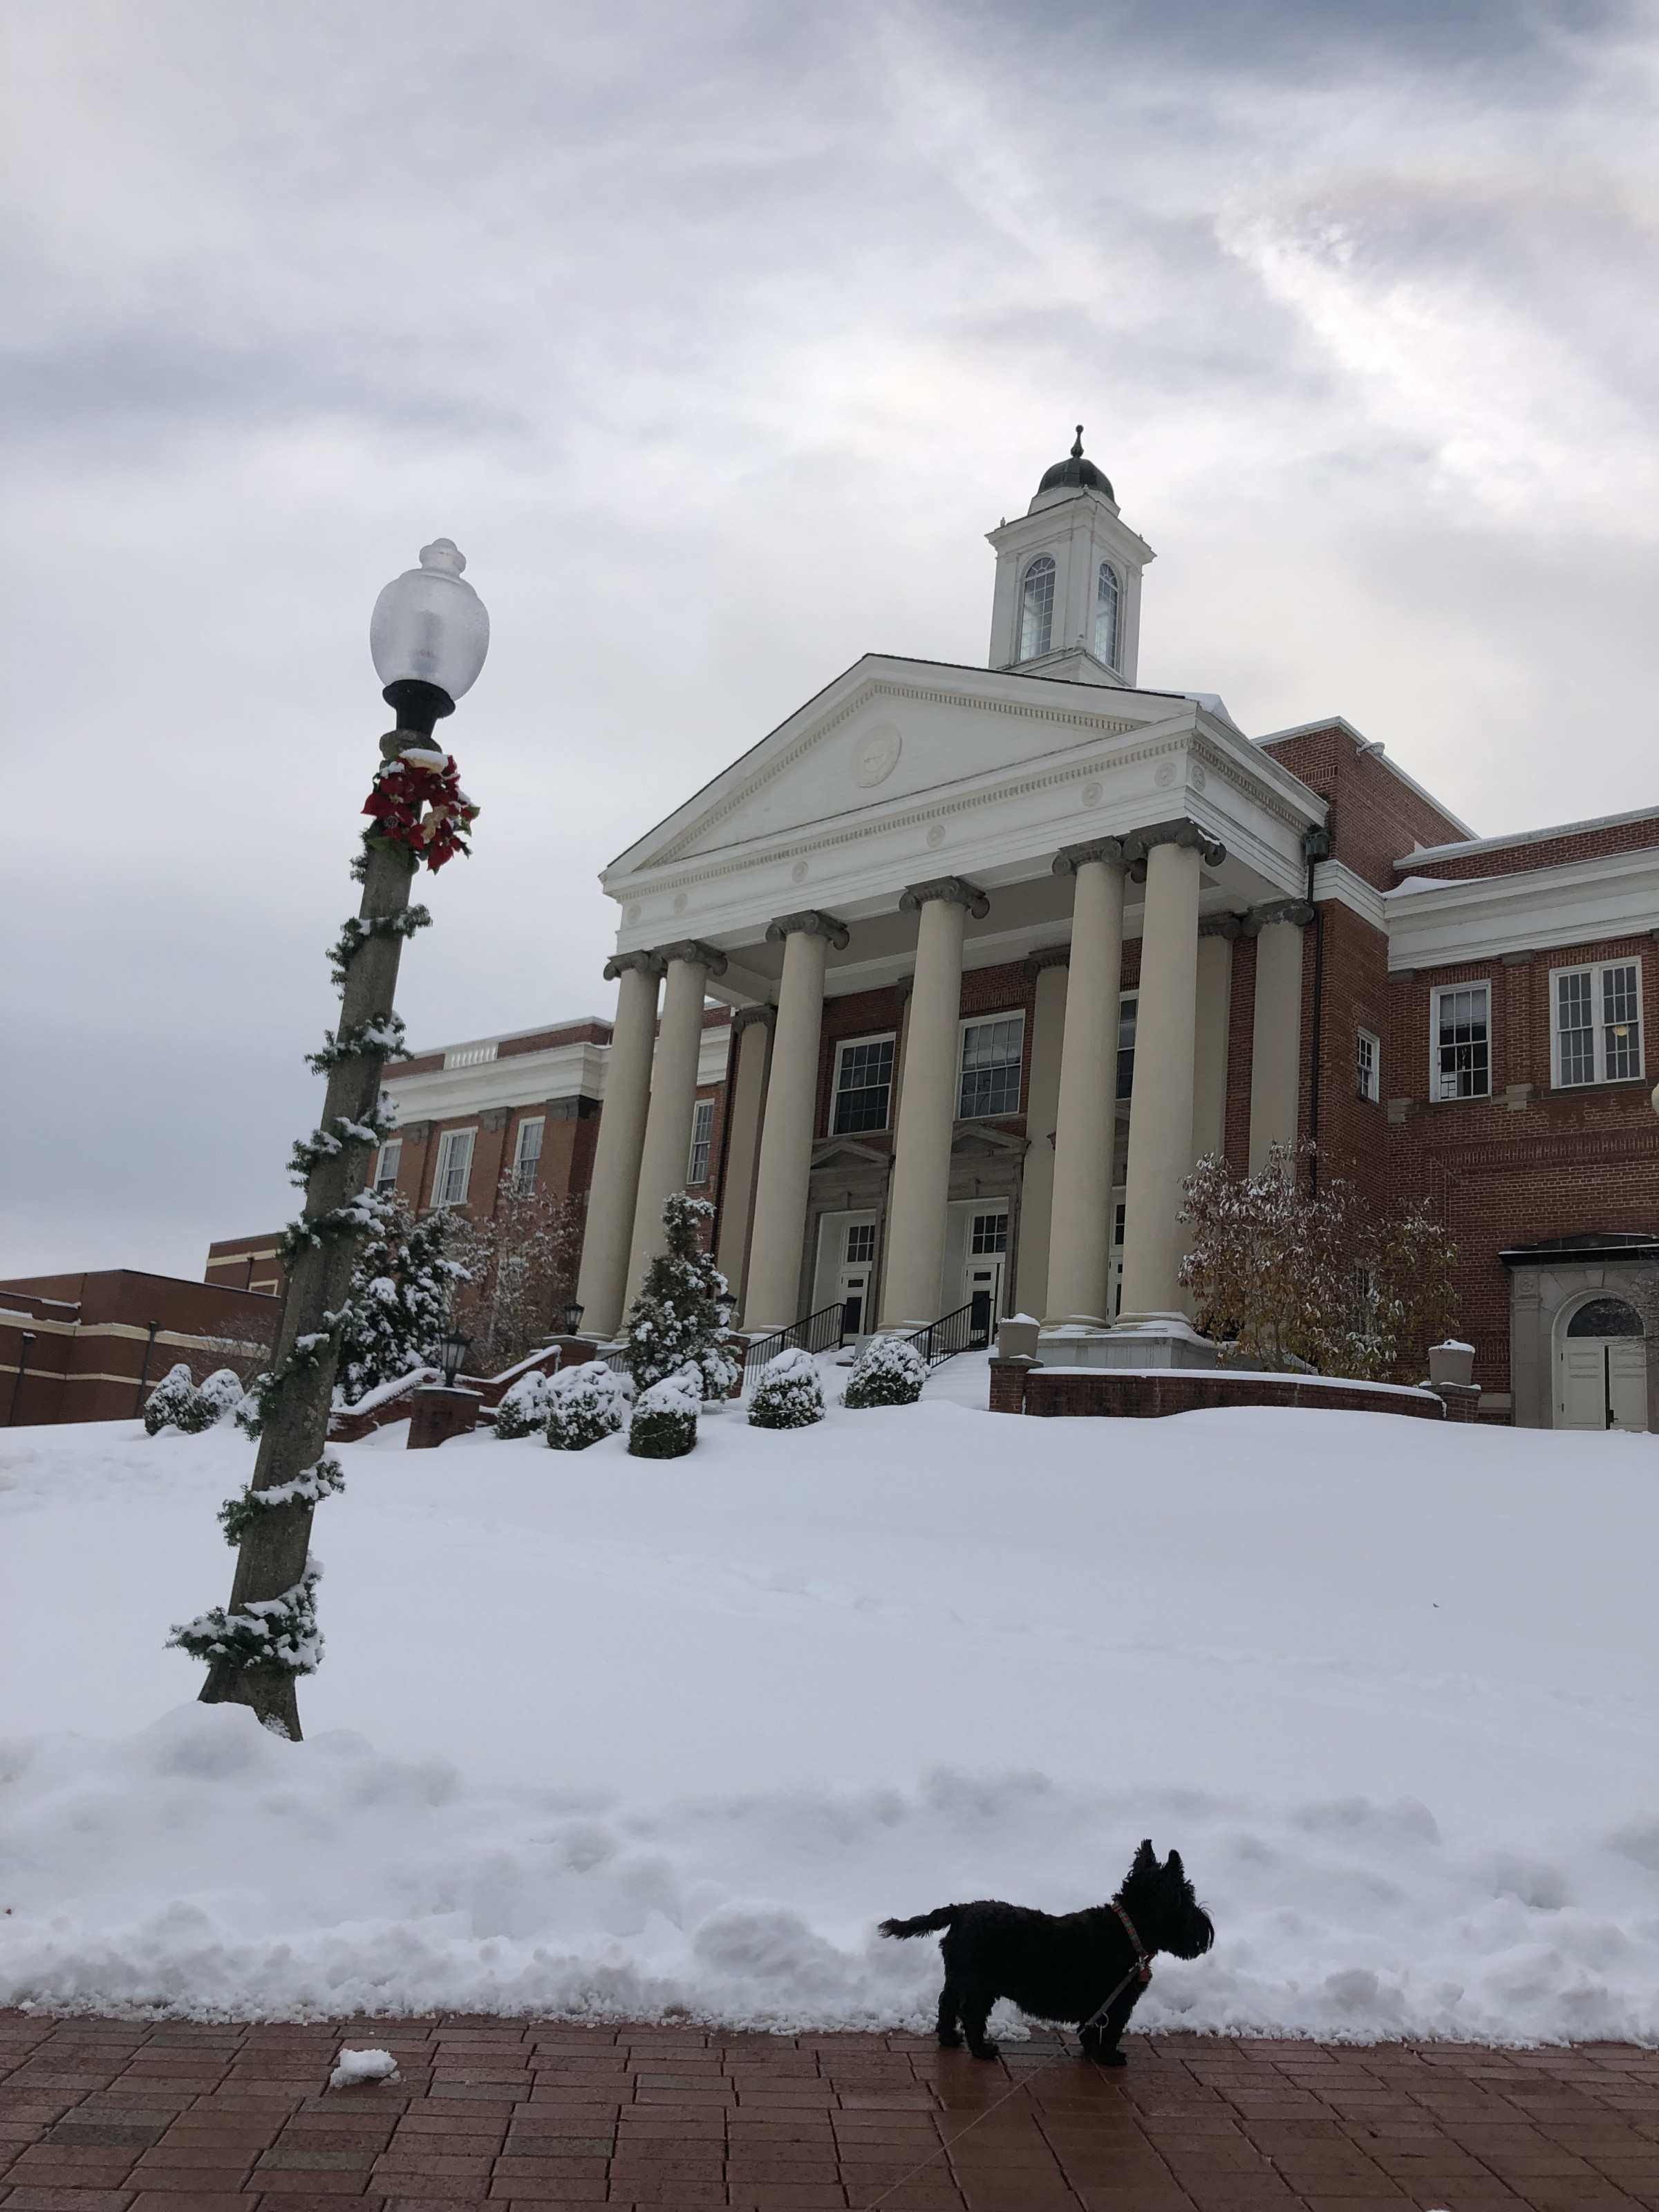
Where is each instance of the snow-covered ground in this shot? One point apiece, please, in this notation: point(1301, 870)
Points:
point(645, 1737)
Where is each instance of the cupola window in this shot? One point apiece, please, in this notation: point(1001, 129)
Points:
point(1036, 612)
point(1106, 615)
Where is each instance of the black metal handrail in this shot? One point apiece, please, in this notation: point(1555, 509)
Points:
point(967, 1329)
point(823, 1331)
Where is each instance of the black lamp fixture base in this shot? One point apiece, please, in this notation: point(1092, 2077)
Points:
point(417, 705)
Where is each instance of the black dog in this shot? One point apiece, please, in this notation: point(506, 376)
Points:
point(1063, 1966)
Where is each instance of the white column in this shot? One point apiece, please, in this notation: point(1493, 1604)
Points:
point(1276, 1039)
point(751, 1058)
point(1080, 1242)
point(1037, 1190)
point(603, 1277)
point(666, 1154)
point(1160, 1104)
point(1210, 1035)
point(927, 1107)
point(786, 1148)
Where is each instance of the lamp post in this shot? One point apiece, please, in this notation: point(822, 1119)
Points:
point(427, 636)
point(455, 1347)
point(572, 1317)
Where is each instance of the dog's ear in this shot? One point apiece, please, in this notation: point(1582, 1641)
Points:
point(1145, 1858)
point(1173, 1867)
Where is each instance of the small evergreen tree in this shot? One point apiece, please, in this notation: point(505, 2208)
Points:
point(176, 1403)
point(675, 1321)
point(402, 1287)
point(222, 1393)
point(664, 1423)
point(788, 1394)
point(889, 1371)
point(585, 1404)
point(524, 1409)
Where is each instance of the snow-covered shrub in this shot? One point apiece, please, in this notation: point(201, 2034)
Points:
point(787, 1393)
point(175, 1402)
point(525, 1407)
point(664, 1423)
point(222, 1393)
point(675, 1321)
point(585, 1404)
point(889, 1371)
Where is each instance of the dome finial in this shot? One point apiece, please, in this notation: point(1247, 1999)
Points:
point(1077, 450)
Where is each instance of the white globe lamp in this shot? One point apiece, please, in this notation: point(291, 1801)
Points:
point(429, 635)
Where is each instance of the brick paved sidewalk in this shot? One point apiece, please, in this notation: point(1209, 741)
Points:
point(98, 2116)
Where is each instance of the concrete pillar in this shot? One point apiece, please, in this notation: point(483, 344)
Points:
point(928, 1106)
point(773, 1300)
point(1276, 1043)
point(664, 1155)
point(1210, 1035)
point(603, 1277)
point(750, 1058)
point(1041, 1120)
point(1161, 1106)
point(1080, 1243)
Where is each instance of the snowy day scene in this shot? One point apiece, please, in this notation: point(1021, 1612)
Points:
point(829, 1258)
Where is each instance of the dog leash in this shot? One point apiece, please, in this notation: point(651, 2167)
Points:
point(1141, 1971)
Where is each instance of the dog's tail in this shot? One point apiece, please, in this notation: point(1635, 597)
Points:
point(925, 1924)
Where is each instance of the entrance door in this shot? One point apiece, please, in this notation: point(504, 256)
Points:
point(981, 1277)
point(853, 1282)
point(1602, 1376)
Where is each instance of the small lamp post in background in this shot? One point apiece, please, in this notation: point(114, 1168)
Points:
point(455, 1349)
point(429, 635)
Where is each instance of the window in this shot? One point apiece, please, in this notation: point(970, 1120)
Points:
point(864, 1085)
point(990, 1067)
point(989, 1234)
point(861, 1244)
point(385, 1167)
point(454, 1167)
point(1462, 1043)
point(702, 1131)
point(1598, 1024)
point(1368, 1066)
point(1127, 1011)
point(527, 1158)
point(1036, 608)
point(1106, 615)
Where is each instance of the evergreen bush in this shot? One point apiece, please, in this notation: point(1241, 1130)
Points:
point(787, 1393)
point(675, 1321)
point(175, 1402)
point(524, 1409)
point(888, 1372)
point(664, 1423)
point(585, 1404)
point(222, 1393)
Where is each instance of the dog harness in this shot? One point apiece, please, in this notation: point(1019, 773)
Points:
point(1143, 1957)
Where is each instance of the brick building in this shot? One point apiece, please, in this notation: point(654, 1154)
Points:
point(89, 1346)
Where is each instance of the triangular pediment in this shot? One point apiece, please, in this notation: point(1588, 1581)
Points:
point(885, 733)
point(845, 1151)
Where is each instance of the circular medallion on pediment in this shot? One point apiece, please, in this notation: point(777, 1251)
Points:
point(798, 873)
point(875, 755)
point(679, 902)
point(1196, 777)
point(1164, 774)
point(936, 834)
point(1090, 794)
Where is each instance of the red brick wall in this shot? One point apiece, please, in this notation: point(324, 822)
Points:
point(1541, 853)
point(1374, 816)
point(1241, 1031)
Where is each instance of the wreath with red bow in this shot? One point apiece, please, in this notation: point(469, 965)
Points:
point(417, 801)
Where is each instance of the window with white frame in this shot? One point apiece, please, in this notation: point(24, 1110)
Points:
point(990, 1067)
point(702, 1134)
point(1036, 608)
point(385, 1167)
point(989, 1234)
point(863, 1092)
point(1106, 597)
point(1367, 1065)
point(1127, 1010)
point(449, 1185)
point(527, 1157)
point(860, 1243)
point(1462, 1042)
point(1598, 1021)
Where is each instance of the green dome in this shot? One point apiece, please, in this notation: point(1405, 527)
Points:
point(1075, 473)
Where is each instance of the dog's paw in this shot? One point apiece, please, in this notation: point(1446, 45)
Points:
point(986, 2050)
point(1110, 2058)
point(949, 2040)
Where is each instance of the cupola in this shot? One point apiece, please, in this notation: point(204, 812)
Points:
point(1067, 601)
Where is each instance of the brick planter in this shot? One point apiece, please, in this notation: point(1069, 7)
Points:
point(1063, 1392)
point(438, 1415)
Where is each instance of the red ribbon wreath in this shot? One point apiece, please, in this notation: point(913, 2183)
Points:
point(417, 801)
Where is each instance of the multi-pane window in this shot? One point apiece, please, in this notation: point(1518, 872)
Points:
point(385, 1167)
point(1037, 608)
point(990, 1067)
point(702, 1132)
point(1462, 1043)
point(1368, 1066)
point(1106, 615)
point(1127, 1011)
point(527, 1157)
point(860, 1243)
point(454, 1167)
point(1598, 1023)
point(864, 1085)
point(989, 1234)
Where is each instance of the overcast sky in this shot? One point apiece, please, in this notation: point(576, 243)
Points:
point(717, 334)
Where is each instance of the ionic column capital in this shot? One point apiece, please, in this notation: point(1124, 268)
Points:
point(1052, 956)
point(1229, 926)
point(643, 963)
point(1181, 831)
point(1071, 858)
point(696, 954)
point(809, 922)
point(949, 890)
point(1295, 911)
point(746, 1017)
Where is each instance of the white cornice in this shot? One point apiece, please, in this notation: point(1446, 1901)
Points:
point(527, 1078)
point(1338, 885)
point(1518, 839)
point(1439, 925)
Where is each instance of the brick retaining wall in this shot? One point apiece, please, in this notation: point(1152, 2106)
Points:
point(1061, 1393)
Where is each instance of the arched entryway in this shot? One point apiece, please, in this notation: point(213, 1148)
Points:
point(1601, 1367)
